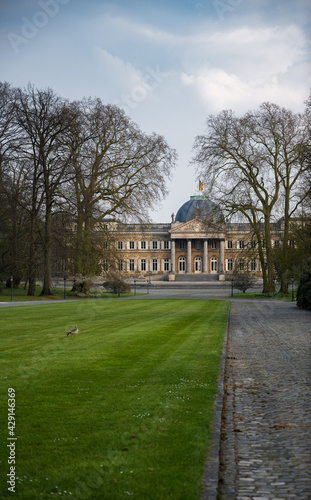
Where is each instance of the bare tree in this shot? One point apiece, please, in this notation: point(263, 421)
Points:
point(252, 166)
point(292, 138)
point(5, 135)
point(243, 280)
point(43, 119)
point(12, 187)
point(8, 127)
point(307, 159)
point(118, 170)
point(72, 165)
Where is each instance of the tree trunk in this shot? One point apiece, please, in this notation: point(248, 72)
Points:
point(269, 255)
point(47, 288)
point(85, 261)
point(78, 255)
point(14, 244)
point(284, 275)
point(263, 265)
point(284, 271)
point(32, 256)
point(258, 233)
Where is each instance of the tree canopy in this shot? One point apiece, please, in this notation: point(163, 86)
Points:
point(70, 164)
point(255, 166)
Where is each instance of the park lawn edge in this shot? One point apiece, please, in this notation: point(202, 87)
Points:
point(264, 296)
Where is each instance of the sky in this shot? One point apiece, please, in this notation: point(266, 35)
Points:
point(168, 63)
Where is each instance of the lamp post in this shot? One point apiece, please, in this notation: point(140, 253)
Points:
point(134, 287)
point(231, 287)
point(11, 279)
point(119, 292)
point(292, 278)
point(65, 279)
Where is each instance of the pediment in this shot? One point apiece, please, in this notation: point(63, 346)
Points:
point(192, 226)
point(196, 228)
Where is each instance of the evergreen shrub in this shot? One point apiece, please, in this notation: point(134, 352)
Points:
point(304, 292)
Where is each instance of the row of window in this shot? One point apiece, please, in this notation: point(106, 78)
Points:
point(242, 265)
point(138, 265)
point(254, 244)
point(155, 265)
point(143, 245)
point(181, 244)
point(241, 244)
point(165, 245)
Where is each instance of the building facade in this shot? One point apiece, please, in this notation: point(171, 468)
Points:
point(197, 242)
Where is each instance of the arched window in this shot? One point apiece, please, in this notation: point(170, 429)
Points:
point(214, 265)
point(182, 264)
point(198, 264)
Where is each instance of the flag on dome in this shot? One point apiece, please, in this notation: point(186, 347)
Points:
point(200, 185)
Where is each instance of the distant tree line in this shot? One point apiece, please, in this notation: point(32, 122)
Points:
point(65, 167)
point(257, 167)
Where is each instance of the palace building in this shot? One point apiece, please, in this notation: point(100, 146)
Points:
point(198, 244)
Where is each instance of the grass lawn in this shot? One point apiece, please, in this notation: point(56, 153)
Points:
point(123, 409)
point(259, 295)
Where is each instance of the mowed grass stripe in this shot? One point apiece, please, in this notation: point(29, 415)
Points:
point(122, 409)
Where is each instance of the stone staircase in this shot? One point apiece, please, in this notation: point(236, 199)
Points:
point(196, 277)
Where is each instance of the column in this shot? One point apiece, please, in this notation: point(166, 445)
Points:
point(173, 256)
point(205, 257)
point(222, 256)
point(189, 256)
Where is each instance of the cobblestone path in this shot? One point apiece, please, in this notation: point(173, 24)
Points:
point(266, 445)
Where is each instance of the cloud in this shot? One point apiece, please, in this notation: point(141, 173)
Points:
point(219, 90)
point(121, 74)
point(246, 66)
point(250, 52)
point(168, 63)
point(261, 49)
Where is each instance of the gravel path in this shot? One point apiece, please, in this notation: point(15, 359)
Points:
point(266, 445)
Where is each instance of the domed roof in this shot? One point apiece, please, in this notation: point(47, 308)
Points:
point(201, 207)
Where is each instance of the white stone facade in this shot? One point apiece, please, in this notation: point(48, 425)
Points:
point(194, 247)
